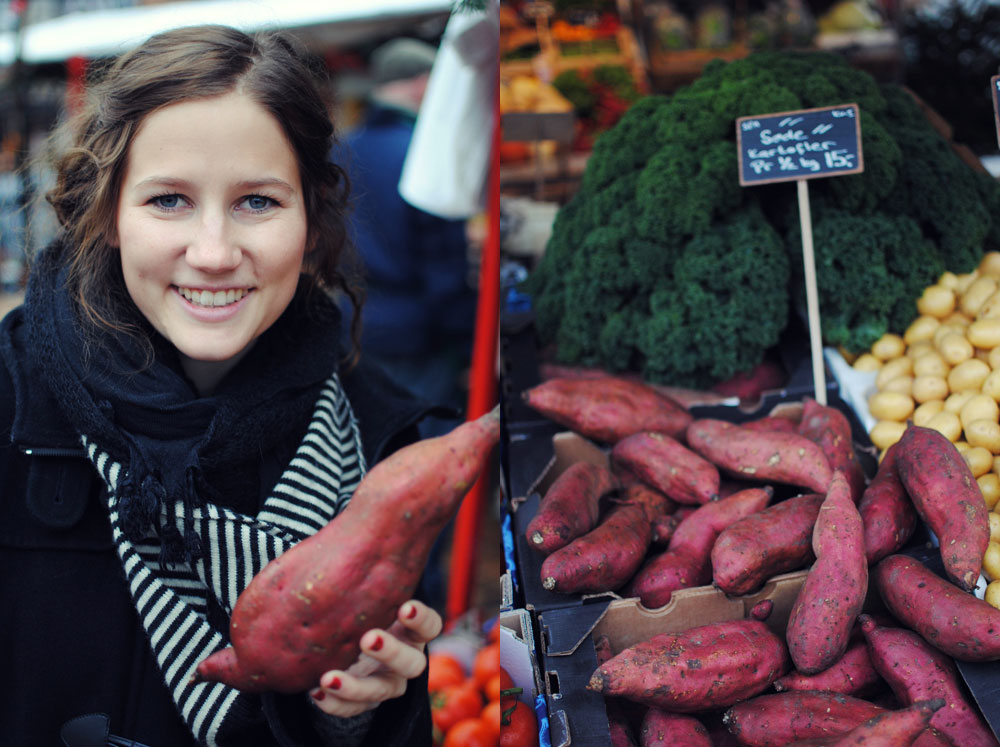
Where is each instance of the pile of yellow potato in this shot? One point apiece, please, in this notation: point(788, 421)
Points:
point(944, 373)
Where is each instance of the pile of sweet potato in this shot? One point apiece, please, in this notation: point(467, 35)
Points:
point(697, 501)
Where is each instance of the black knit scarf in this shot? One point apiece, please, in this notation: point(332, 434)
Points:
point(149, 418)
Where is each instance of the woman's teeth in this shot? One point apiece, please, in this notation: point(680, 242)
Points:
point(213, 298)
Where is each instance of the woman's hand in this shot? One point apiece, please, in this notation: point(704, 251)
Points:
point(389, 658)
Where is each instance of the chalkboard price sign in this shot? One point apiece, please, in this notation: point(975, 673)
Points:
point(806, 144)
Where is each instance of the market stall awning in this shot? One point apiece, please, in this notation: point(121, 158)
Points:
point(107, 32)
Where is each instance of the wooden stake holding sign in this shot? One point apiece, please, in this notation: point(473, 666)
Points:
point(798, 146)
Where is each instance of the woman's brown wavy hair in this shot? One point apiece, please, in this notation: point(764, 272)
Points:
point(194, 63)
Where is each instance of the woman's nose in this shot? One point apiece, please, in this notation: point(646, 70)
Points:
point(213, 247)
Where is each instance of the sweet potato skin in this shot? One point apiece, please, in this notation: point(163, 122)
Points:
point(831, 430)
point(833, 593)
point(886, 510)
point(652, 501)
point(665, 729)
point(618, 723)
point(781, 718)
point(709, 666)
point(305, 612)
point(687, 559)
point(604, 558)
point(570, 507)
point(948, 498)
point(667, 465)
point(889, 729)
point(950, 619)
point(774, 540)
point(852, 674)
point(916, 671)
point(769, 456)
point(607, 408)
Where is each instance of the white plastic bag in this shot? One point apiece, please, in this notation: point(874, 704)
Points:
point(447, 163)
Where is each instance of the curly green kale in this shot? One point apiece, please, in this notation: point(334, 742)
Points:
point(663, 264)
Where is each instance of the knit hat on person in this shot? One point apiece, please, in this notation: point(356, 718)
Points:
point(400, 59)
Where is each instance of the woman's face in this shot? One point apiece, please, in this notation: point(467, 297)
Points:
point(211, 224)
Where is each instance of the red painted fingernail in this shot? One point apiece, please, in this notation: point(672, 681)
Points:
point(411, 612)
point(377, 644)
point(335, 683)
point(318, 694)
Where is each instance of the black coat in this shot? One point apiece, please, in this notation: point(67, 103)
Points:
point(71, 642)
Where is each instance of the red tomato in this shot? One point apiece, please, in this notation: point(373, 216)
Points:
point(471, 732)
point(443, 669)
point(506, 685)
point(518, 726)
point(491, 690)
point(491, 716)
point(486, 663)
point(452, 703)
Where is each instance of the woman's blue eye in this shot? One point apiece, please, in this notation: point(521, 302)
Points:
point(167, 201)
point(259, 202)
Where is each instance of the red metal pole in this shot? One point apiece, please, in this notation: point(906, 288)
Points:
point(482, 391)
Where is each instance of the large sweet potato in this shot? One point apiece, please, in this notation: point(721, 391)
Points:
point(667, 465)
point(604, 558)
point(886, 510)
point(778, 719)
point(775, 540)
point(950, 619)
point(831, 430)
point(306, 611)
point(619, 728)
point(827, 605)
point(687, 561)
point(665, 729)
point(709, 666)
point(570, 508)
point(767, 456)
point(889, 729)
point(917, 671)
point(607, 408)
point(948, 498)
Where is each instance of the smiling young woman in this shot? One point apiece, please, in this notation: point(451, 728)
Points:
point(182, 406)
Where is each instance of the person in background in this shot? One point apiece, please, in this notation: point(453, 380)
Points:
point(180, 404)
point(420, 305)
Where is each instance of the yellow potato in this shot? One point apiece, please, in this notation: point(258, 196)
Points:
point(980, 461)
point(953, 346)
point(989, 486)
point(918, 349)
point(930, 364)
point(994, 358)
point(926, 388)
point(964, 280)
point(902, 384)
point(887, 432)
point(976, 294)
point(890, 406)
point(984, 333)
point(992, 594)
point(866, 362)
point(948, 279)
point(888, 346)
point(990, 307)
point(955, 402)
point(891, 369)
point(926, 410)
point(969, 374)
point(991, 385)
point(979, 407)
point(991, 561)
point(985, 433)
point(994, 526)
point(922, 328)
point(990, 263)
point(947, 424)
point(937, 301)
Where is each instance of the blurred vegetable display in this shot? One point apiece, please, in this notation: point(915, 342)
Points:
point(662, 264)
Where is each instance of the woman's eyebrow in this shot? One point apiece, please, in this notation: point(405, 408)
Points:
point(250, 184)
